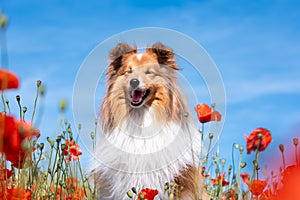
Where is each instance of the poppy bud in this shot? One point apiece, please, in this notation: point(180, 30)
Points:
point(217, 171)
point(58, 139)
point(63, 105)
point(38, 83)
point(223, 161)
point(295, 140)
point(243, 164)
point(213, 105)
point(241, 149)
point(24, 109)
point(63, 146)
point(215, 159)
point(51, 142)
point(259, 136)
point(3, 21)
point(181, 188)
point(236, 145)
point(211, 136)
point(129, 194)
point(18, 98)
point(166, 187)
point(281, 148)
point(92, 135)
point(133, 190)
point(186, 114)
point(141, 196)
point(41, 146)
point(172, 184)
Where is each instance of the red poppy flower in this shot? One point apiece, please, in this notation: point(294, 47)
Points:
point(257, 187)
point(8, 80)
point(148, 193)
point(216, 181)
point(206, 113)
point(203, 172)
point(290, 189)
point(60, 193)
point(71, 183)
point(245, 177)
point(253, 139)
point(14, 134)
point(288, 172)
point(5, 174)
point(72, 150)
point(18, 193)
point(77, 192)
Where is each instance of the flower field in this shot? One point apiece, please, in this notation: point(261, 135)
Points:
point(33, 169)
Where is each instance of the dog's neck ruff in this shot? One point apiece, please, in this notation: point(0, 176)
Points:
point(142, 152)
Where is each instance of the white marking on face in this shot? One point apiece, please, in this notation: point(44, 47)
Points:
point(139, 56)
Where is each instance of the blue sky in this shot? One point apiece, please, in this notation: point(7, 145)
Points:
point(255, 45)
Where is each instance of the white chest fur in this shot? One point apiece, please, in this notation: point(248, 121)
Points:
point(143, 153)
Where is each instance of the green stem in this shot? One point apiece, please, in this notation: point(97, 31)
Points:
point(19, 104)
point(202, 131)
point(3, 101)
point(208, 150)
point(4, 60)
point(57, 177)
point(283, 160)
point(7, 103)
point(256, 159)
point(54, 164)
point(35, 171)
point(297, 157)
point(232, 158)
point(49, 163)
point(4, 55)
point(81, 174)
point(239, 175)
point(35, 102)
point(40, 112)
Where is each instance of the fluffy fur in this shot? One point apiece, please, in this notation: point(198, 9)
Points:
point(148, 136)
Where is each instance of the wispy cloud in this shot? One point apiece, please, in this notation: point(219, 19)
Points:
point(244, 91)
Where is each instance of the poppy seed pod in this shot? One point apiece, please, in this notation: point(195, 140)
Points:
point(281, 148)
point(295, 141)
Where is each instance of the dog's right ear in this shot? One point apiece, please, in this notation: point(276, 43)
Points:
point(117, 54)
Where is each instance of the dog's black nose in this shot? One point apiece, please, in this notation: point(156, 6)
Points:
point(134, 83)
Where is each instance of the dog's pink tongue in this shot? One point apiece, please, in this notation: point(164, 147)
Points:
point(137, 95)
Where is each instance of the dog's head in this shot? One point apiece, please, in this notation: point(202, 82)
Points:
point(138, 81)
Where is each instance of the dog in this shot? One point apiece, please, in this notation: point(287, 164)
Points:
point(148, 136)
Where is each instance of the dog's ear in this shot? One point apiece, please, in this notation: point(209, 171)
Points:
point(165, 55)
point(117, 54)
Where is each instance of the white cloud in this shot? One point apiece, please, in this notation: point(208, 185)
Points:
point(243, 91)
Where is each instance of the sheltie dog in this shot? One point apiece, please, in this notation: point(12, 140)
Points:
point(149, 137)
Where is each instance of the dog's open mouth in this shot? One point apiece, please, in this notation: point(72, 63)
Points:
point(138, 97)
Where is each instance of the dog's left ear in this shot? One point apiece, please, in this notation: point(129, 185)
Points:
point(165, 55)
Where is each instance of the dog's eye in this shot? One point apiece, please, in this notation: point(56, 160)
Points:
point(129, 71)
point(148, 72)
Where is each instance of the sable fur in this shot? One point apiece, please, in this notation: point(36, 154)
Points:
point(163, 111)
